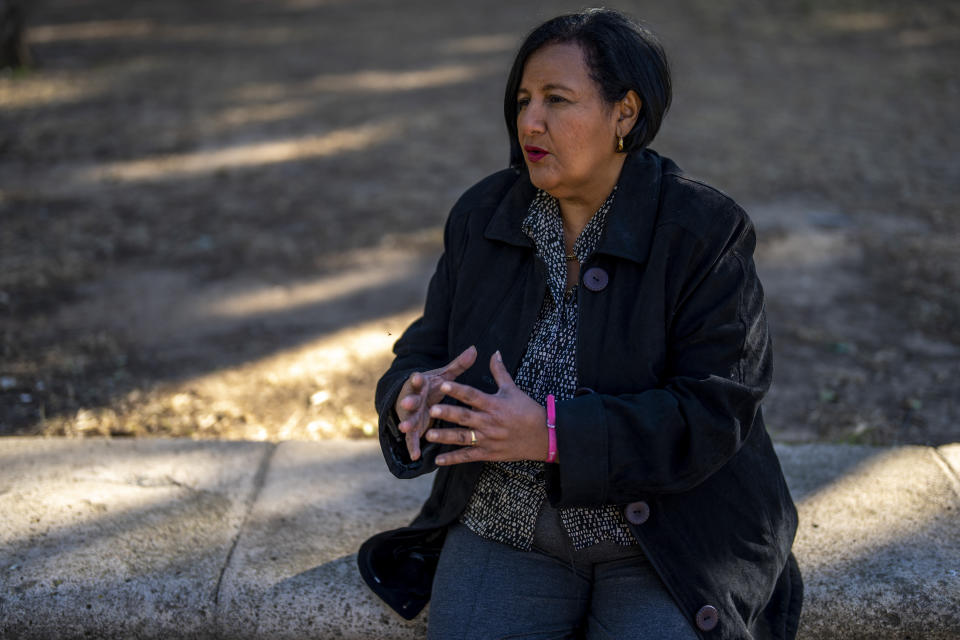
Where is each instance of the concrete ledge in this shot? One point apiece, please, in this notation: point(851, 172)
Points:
point(878, 543)
point(294, 571)
point(186, 539)
point(119, 539)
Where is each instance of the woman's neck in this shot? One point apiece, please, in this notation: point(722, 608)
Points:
point(577, 211)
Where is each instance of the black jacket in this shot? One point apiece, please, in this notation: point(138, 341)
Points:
point(673, 358)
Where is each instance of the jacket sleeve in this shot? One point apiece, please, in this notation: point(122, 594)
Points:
point(616, 448)
point(422, 347)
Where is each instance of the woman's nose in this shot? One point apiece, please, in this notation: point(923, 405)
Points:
point(530, 120)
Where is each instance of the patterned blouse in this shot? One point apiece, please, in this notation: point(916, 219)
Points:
point(508, 496)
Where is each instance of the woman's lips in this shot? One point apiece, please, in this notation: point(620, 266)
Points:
point(535, 154)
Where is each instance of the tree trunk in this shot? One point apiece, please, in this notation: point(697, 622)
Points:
point(13, 46)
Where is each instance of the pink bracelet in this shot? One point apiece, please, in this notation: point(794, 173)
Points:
point(551, 428)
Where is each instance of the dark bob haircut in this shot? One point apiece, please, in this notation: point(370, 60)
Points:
point(621, 56)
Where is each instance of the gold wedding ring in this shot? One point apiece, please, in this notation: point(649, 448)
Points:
point(473, 438)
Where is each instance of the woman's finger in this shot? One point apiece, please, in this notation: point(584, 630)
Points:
point(499, 371)
point(459, 456)
point(460, 415)
point(413, 444)
point(460, 364)
point(410, 423)
point(410, 403)
point(463, 437)
point(416, 381)
point(466, 394)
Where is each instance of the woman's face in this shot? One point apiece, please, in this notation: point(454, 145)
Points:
point(567, 131)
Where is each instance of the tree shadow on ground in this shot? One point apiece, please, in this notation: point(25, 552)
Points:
point(253, 144)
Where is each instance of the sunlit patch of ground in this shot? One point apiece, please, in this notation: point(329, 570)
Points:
point(322, 389)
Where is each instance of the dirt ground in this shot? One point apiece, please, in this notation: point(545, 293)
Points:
point(216, 217)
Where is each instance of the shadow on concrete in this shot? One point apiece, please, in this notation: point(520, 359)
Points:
point(876, 539)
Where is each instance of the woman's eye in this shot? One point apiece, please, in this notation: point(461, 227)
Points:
point(556, 99)
point(522, 102)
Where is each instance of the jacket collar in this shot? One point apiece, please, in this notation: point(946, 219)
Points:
point(630, 222)
point(506, 225)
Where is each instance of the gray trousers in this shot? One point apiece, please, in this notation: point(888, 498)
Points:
point(485, 590)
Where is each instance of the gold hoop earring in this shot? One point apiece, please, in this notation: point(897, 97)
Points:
point(619, 144)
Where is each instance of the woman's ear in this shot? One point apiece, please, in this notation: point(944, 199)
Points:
point(628, 110)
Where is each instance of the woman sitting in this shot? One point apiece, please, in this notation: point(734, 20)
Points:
point(586, 381)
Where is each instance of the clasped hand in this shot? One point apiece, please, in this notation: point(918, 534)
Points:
point(507, 425)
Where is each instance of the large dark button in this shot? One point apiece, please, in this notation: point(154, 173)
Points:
point(582, 391)
point(595, 279)
point(637, 512)
point(707, 618)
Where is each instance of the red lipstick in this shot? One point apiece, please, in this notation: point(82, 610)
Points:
point(535, 154)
